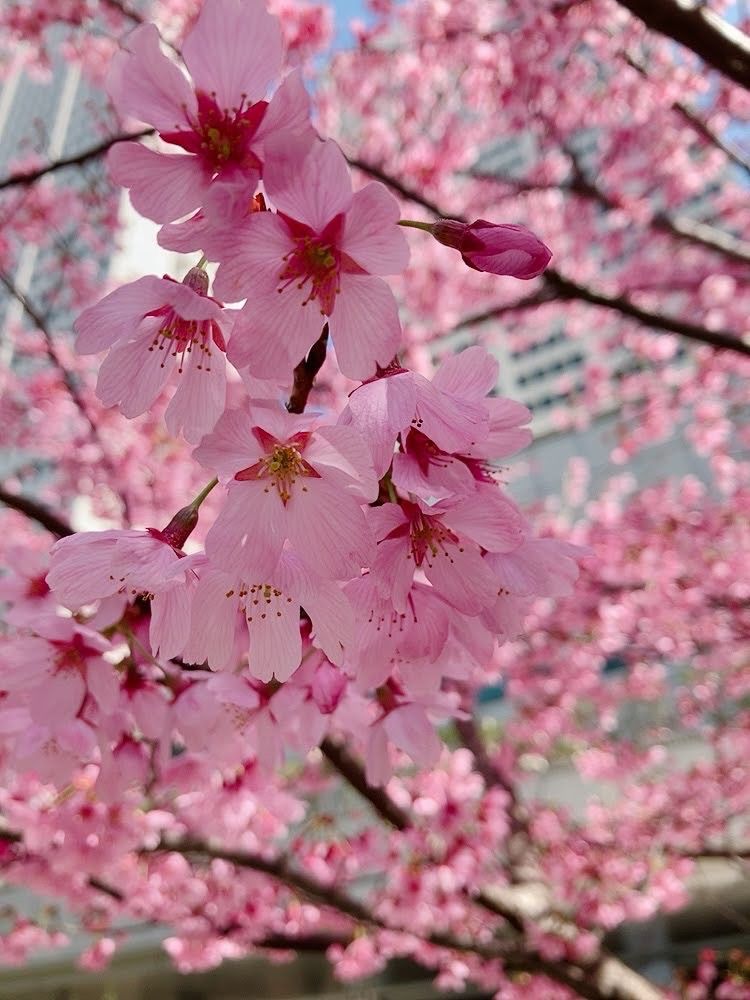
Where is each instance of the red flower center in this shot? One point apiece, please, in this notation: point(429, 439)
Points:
point(221, 137)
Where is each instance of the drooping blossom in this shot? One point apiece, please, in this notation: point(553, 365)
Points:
point(317, 259)
point(428, 469)
point(221, 119)
point(288, 481)
point(150, 327)
point(270, 610)
point(445, 541)
point(450, 410)
point(94, 565)
point(403, 721)
point(57, 668)
point(499, 249)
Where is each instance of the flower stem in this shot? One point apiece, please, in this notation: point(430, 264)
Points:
point(202, 262)
point(195, 504)
point(413, 224)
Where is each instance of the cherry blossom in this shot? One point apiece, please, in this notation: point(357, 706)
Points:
point(317, 259)
point(288, 481)
point(150, 327)
point(222, 121)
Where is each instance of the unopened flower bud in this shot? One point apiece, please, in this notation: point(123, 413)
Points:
point(197, 279)
point(180, 527)
point(498, 249)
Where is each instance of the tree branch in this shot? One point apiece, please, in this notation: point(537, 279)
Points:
point(26, 177)
point(305, 372)
point(351, 770)
point(571, 290)
point(555, 286)
point(36, 512)
point(67, 378)
point(697, 27)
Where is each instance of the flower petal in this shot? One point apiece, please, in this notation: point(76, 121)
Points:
point(144, 83)
point(308, 182)
point(116, 316)
point(234, 51)
point(364, 325)
point(372, 236)
point(200, 397)
point(162, 187)
point(132, 375)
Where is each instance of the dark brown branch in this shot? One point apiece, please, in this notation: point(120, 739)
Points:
point(36, 512)
point(305, 372)
point(700, 29)
point(350, 769)
point(557, 287)
point(571, 290)
point(26, 177)
point(396, 185)
point(67, 377)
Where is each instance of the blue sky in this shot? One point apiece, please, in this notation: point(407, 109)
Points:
point(344, 11)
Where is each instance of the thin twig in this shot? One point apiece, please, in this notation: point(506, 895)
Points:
point(26, 177)
point(305, 372)
point(36, 512)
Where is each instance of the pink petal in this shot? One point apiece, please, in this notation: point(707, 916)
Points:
point(213, 623)
point(462, 577)
point(234, 51)
point(308, 182)
point(372, 236)
point(541, 567)
point(132, 376)
point(377, 759)
point(471, 373)
point(162, 187)
point(341, 455)
point(393, 571)
point(381, 409)
point(275, 640)
point(170, 620)
point(145, 84)
point(454, 424)
point(118, 314)
point(104, 685)
point(231, 446)
point(451, 478)
point(365, 326)
point(411, 731)
point(256, 251)
point(490, 519)
point(332, 618)
point(249, 531)
point(329, 531)
point(58, 699)
point(289, 108)
point(256, 342)
point(200, 397)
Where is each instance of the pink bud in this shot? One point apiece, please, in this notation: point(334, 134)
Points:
point(499, 249)
point(328, 686)
point(197, 279)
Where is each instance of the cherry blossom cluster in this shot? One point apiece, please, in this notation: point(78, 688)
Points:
point(359, 563)
point(266, 785)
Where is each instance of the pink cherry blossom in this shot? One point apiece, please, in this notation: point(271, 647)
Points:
point(450, 410)
point(93, 565)
point(317, 259)
point(222, 120)
point(500, 249)
point(289, 480)
point(151, 327)
point(57, 668)
point(270, 609)
point(446, 542)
